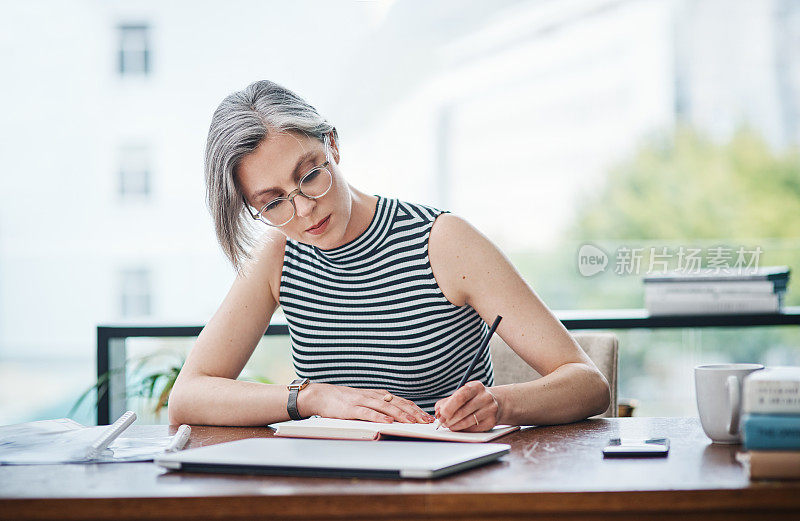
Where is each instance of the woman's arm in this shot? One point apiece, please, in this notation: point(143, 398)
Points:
point(207, 392)
point(471, 270)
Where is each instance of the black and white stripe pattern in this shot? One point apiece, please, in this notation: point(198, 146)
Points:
point(370, 314)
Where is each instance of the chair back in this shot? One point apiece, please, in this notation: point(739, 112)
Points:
point(601, 348)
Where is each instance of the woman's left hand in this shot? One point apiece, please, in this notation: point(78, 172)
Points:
point(472, 408)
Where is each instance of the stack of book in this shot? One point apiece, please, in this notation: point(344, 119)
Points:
point(771, 423)
point(710, 293)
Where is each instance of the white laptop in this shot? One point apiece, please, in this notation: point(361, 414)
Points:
point(335, 458)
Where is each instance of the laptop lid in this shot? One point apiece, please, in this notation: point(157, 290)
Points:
point(335, 458)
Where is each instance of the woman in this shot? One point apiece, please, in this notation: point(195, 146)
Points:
point(387, 301)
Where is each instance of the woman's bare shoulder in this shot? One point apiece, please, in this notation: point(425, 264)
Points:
point(454, 247)
point(454, 240)
point(449, 224)
point(271, 247)
point(266, 261)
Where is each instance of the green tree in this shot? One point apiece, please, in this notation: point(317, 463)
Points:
point(686, 187)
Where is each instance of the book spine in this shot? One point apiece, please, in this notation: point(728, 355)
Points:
point(712, 298)
point(771, 432)
point(771, 397)
point(776, 273)
point(774, 464)
point(735, 286)
point(686, 307)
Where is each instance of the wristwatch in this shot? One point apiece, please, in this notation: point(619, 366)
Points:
point(294, 388)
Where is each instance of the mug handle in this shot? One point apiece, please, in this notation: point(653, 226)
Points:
point(734, 399)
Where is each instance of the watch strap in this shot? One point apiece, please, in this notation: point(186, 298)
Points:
point(291, 406)
point(294, 389)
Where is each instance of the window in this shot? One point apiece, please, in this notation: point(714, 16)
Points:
point(135, 293)
point(134, 172)
point(134, 50)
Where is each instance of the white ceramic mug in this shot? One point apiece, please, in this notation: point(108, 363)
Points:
point(719, 399)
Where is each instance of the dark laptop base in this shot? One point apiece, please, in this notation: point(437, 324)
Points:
point(286, 471)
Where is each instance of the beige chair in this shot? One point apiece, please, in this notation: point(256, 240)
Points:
point(602, 348)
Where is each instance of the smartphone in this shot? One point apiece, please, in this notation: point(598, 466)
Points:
point(636, 448)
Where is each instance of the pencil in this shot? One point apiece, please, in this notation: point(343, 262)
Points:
point(477, 356)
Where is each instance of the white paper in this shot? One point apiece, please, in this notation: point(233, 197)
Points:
point(65, 441)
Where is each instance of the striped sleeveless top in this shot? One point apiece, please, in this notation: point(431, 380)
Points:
point(370, 314)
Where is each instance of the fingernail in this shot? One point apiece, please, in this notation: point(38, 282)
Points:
point(411, 418)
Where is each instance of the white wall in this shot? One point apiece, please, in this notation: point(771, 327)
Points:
point(64, 231)
point(542, 101)
point(542, 97)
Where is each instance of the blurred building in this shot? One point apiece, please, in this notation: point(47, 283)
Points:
point(102, 209)
point(525, 116)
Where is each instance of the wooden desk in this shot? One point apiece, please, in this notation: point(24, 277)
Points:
point(552, 473)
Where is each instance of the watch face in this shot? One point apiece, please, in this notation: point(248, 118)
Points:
point(299, 383)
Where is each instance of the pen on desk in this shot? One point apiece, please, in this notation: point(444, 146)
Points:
point(179, 439)
point(110, 434)
point(475, 359)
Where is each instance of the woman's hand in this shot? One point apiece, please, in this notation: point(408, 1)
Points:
point(473, 408)
point(349, 403)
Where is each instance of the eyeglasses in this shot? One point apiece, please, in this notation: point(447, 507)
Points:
point(314, 184)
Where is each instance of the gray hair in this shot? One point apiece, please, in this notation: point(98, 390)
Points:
point(241, 122)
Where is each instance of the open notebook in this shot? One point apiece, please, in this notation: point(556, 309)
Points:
point(332, 428)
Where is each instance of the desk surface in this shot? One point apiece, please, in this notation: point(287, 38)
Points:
point(551, 471)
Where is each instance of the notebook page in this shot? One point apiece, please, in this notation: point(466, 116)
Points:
point(429, 431)
point(334, 427)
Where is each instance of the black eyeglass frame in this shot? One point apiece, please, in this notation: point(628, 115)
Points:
point(290, 197)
